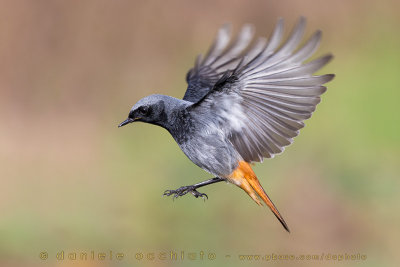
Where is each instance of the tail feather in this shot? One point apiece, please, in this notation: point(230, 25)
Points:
point(246, 179)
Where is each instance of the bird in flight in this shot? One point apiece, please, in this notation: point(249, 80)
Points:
point(246, 100)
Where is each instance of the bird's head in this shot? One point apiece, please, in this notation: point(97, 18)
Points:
point(152, 109)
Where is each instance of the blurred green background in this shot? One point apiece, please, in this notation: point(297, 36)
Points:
point(72, 181)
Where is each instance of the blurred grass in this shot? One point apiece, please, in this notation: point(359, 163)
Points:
point(72, 181)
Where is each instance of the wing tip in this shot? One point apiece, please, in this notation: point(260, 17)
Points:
point(327, 58)
point(280, 24)
point(248, 27)
point(321, 61)
point(301, 23)
point(227, 27)
point(280, 20)
point(329, 77)
point(302, 19)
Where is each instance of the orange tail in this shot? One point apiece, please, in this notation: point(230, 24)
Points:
point(245, 178)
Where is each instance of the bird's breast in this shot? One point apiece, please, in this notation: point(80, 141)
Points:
point(211, 151)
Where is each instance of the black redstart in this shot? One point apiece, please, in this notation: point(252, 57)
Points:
point(246, 100)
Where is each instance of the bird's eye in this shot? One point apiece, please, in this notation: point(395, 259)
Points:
point(143, 110)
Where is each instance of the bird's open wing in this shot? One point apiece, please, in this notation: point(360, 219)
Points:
point(262, 103)
point(222, 56)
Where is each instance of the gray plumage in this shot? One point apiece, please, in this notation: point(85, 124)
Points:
point(246, 100)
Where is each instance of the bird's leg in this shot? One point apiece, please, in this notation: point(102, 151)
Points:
point(192, 189)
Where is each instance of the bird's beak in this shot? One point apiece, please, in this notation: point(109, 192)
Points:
point(125, 122)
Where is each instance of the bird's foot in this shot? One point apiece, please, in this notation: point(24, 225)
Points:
point(184, 190)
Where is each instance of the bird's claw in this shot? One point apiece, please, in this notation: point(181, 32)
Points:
point(183, 191)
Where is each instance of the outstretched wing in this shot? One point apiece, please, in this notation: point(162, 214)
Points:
point(222, 56)
point(262, 103)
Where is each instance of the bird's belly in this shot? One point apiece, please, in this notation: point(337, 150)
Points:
point(211, 153)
